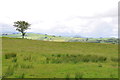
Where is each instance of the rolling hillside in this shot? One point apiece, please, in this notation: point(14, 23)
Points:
point(23, 58)
point(38, 37)
point(45, 37)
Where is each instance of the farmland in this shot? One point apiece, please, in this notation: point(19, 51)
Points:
point(46, 37)
point(25, 58)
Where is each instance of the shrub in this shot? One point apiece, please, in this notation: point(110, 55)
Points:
point(10, 55)
point(95, 58)
point(59, 55)
point(67, 55)
point(102, 59)
point(85, 58)
point(47, 60)
point(53, 55)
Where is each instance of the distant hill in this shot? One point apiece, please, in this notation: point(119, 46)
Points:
point(36, 36)
point(46, 37)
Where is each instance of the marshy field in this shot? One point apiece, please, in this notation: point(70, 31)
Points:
point(24, 58)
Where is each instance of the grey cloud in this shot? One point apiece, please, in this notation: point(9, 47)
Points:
point(110, 13)
point(7, 28)
point(103, 29)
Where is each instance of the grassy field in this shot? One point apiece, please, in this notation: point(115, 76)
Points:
point(23, 58)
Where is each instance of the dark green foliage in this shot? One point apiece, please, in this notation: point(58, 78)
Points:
point(115, 59)
point(14, 60)
point(99, 65)
point(58, 55)
point(10, 55)
point(21, 27)
point(98, 58)
point(60, 58)
point(47, 60)
point(52, 54)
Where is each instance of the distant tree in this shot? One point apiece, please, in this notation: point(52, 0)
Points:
point(59, 36)
point(45, 34)
point(21, 27)
point(45, 37)
point(53, 36)
point(86, 39)
point(99, 41)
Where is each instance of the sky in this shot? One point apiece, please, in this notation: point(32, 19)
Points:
point(86, 18)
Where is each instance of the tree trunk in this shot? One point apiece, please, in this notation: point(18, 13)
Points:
point(23, 34)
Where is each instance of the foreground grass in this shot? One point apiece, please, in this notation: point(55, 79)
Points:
point(24, 58)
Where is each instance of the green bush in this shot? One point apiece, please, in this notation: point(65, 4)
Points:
point(10, 55)
point(47, 60)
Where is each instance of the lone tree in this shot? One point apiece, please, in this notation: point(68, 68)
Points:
point(22, 26)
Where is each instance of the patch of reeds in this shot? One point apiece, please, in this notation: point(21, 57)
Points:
point(62, 58)
point(26, 66)
point(115, 59)
point(10, 55)
point(27, 58)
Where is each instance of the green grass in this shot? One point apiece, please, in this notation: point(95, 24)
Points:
point(23, 58)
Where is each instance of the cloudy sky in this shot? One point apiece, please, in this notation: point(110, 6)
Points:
point(88, 18)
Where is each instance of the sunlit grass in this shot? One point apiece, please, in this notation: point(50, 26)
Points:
point(44, 59)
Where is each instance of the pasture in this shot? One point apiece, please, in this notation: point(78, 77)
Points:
point(23, 58)
point(46, 37)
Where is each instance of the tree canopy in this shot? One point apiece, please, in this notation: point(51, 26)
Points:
point(22, 26)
